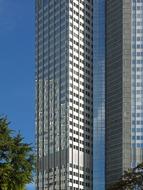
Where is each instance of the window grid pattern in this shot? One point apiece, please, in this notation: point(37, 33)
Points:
point(80, 94)
point(137, 82)
point(51, 94)
point(64, 94)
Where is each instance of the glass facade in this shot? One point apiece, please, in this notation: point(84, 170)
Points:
point(70, 60)
point(117, 89)
point(64, 104)
point(137, 82)
point(99, 95)
point(51, 85)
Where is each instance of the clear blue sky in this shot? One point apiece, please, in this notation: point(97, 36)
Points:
point(17, 65)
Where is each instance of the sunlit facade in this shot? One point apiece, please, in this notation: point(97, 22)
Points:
point(99, 94)
point(64, 103)
point(137, 82)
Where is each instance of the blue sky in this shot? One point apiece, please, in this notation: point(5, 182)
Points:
point(17, 65)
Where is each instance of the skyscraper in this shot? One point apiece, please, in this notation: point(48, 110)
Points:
point(64, 98)
point(137, 82)
point(124, 86)
point(99, 94)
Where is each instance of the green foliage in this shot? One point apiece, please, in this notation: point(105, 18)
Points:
point(16, 159)
point(131, 180)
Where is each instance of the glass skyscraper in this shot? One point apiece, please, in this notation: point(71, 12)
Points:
point(124, 86)
point(89, 92)
point(99, 94)
point(64, 97)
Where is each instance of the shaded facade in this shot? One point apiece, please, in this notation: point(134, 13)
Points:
point(64, 103)
point(124, 86)
point(118, 88)
point(99, 94)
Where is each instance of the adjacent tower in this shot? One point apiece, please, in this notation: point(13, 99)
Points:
point(64, 98)
point(118, 88)
point(137, 81)
point(124, 86)
point(99, 94)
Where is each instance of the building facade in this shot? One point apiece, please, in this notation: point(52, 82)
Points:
point(64, 98)
point(124, 86)
point(137, 82)
point(99, 94)
point(89, 74)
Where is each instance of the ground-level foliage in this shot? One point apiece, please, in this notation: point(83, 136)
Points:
point(16, 159)
point(131, 180)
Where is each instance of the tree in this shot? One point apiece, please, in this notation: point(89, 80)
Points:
point(16, 159)
point(132, 179)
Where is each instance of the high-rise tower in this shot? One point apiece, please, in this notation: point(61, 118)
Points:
point(64, 100)
point(124, 86)
point(137, 82)
point(99, 94)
